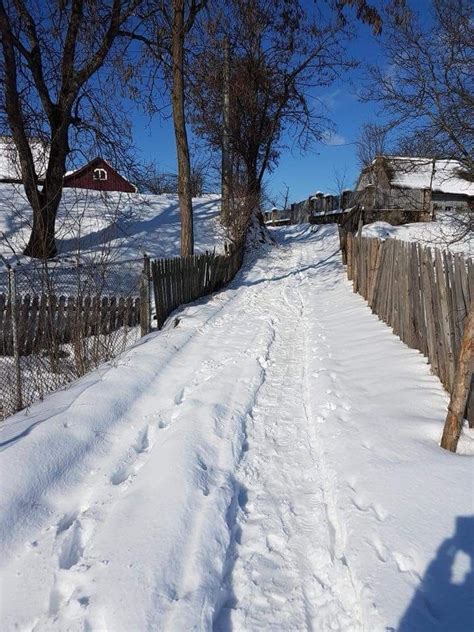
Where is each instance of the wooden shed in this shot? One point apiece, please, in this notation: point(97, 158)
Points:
point(98, 175)
point(421, 185)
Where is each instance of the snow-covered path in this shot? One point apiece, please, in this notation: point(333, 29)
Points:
point(289, 573)
point(268, 463)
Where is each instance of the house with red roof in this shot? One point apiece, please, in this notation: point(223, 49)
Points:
point(98, 175)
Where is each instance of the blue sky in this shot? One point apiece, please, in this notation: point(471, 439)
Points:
point(303, 174)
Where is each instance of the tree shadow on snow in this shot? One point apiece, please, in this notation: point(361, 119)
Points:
point(324, 268)
point(444, 601)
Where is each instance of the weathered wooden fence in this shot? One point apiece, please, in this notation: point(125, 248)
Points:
point(43, 320)
point(424, 294)
point(59, 321)
point(184, 279)
point(337, 217)
point(48, 339)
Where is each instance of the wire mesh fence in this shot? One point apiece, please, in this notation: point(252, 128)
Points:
point(57, 322)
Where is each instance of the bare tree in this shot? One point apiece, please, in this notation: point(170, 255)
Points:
point(372, 141)
point(149, 178)
point(179, 28)
point(284, 198)
point(50, 54)
point(166, 33)
point(278, 50)
point(429, 89)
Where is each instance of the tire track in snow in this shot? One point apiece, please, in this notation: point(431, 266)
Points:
point(352, 598)
point(287, 567)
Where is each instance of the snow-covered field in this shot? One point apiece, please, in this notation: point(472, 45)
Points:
point(445, 233)
point(271, 462)
point(110, 226)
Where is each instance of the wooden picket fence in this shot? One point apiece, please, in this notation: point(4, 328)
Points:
point(184, 279)
point(424, 294)
point(43, 320)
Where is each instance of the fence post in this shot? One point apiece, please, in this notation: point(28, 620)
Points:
point(145, 311)
point(16, 350)
point(462, 383)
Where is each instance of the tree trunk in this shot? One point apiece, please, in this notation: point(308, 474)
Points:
point(182, 148)
point(42, 241)
point(254, 192)
point(462, 384)
point(226, 161)
point(45, 203)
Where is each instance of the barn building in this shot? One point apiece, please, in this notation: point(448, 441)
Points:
point(423, 185)
point(98, 175)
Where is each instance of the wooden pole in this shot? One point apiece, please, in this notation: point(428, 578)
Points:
point(16, 350)
point(462, 383)
point(145, 319)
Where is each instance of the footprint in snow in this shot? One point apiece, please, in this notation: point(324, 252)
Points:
point(380, 549)
point(179, 397)
point(406, 563)
point(275, 543)
point(131, 462)
point(365, 507)
point(66, 522)
point(144, 440)
point(202, 464)
point(72, 547)
point(120, 476)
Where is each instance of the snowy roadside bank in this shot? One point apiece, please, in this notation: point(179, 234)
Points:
point(271, 462)
point(110, 226)
point(447, 232)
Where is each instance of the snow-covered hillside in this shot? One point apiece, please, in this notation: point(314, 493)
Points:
point(270, 463)
point(113, 225)
point(448, 232)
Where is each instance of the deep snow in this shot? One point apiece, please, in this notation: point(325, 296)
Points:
point(446, 233)
point(271, 462)
point(94, 225)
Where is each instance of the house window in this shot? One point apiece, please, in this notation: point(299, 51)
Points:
point(100, 174)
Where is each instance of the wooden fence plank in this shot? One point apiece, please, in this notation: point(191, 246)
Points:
point(444, 321)
point(423, 296)
point(184, 279)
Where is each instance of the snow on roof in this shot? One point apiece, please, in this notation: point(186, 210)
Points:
point(89, 164)
point(417, 173)
point(9, 161)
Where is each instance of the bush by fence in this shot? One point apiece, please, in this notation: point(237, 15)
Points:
point(58, 321)
point(424, 294)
